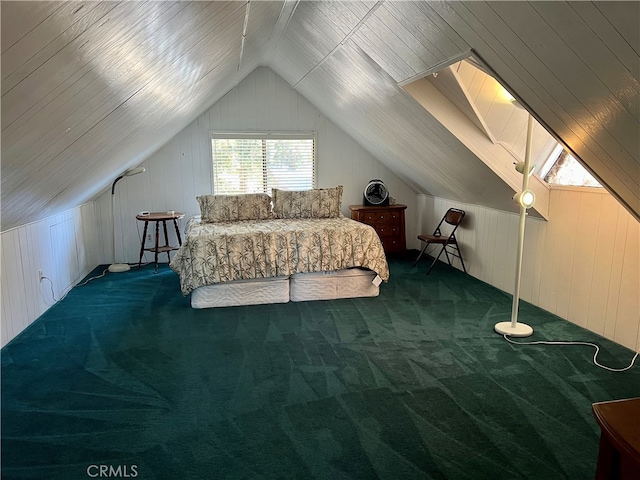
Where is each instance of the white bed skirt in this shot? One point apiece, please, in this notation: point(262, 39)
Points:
point(300, 287)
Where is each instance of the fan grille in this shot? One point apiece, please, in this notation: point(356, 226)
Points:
point(376, 193)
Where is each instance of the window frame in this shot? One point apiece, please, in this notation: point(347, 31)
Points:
point(265, 135)
point(550, 161)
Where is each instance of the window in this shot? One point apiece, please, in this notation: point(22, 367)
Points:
point(563, 169)
point(256, 163)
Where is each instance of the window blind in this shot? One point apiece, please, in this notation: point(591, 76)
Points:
point(257, 164)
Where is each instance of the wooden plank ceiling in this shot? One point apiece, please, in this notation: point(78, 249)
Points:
point(90, 89)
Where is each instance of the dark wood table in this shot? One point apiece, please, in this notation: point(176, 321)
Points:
point(619, 453)
point(159, 217)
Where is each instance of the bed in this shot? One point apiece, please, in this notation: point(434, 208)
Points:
point(252, 249)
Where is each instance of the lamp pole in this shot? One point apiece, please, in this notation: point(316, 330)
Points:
point(118, 267)
point(513, 328)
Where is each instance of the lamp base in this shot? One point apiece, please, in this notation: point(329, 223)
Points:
point(119, 267)
point(520, 330)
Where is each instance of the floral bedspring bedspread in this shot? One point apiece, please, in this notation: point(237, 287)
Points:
point(223, 252)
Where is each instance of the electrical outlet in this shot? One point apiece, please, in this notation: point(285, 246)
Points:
point(40, 275)
point(148, 237)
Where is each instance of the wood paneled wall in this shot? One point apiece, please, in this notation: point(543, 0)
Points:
point(582, 265)
point(507, 123)
point(182, 169)
point(64, 247)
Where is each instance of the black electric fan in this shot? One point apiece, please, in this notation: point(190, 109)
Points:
point(376, 194)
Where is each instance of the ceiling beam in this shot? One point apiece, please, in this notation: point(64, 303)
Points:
point(341, 44)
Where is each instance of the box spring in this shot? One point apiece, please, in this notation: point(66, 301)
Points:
point(257, 291)
point(350, 283)
point(301, 287)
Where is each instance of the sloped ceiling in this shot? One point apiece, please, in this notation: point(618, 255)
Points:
point(90, 89)
point(448, 82)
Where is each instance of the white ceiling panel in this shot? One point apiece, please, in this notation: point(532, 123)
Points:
point(18, 63)
point(314, 31)
point(24, 20)
point(623, 17)
point(404, 39)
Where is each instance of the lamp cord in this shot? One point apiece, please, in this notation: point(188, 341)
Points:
point(53, 294)
point(104, 272)
point(595, 355)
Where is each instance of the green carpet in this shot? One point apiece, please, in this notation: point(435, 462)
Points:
point(123, 375)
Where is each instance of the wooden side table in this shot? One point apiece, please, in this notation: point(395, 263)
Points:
point(159, 217)
point(388, 223)
point(619, 453)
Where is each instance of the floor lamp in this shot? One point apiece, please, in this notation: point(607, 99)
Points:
point(526, 198)
point(118, 267)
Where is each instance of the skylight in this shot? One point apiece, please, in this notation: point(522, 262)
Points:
point(563, 169)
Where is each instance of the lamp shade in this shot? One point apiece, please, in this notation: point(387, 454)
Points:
point(134, 171)
point(119, 267)
point(526, 198)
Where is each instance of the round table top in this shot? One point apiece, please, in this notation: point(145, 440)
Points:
point(159, 216)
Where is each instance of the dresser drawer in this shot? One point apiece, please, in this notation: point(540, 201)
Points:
point(388, 223)
point(382, 218)
point(387, 230)
point(392, 244)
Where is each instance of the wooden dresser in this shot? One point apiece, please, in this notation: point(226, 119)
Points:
point(388, 222)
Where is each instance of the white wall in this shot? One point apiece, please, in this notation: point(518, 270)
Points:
point(64, 247)
point(182, 169)
point(582, 265)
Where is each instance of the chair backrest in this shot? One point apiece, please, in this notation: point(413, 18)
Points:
point(454, 216)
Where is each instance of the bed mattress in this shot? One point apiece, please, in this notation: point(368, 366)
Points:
point(350, 283)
